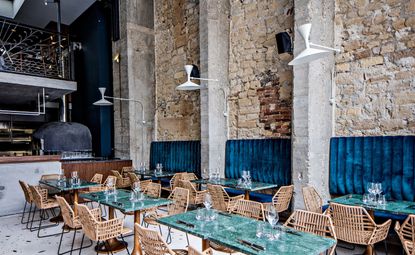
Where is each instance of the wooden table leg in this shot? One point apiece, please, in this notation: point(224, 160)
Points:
point(246, 194)
point(205, 244)
point(75, 201)
point(114, 244)
point(137, 247)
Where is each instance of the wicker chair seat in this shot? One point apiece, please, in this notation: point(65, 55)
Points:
point(180, 252)
point(50, 203)
point(220, 248)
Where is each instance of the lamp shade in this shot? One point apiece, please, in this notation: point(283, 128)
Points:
point(102, 101)
point(188, 85)
point(308, 55)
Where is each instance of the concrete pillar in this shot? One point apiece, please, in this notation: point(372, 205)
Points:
point(214, 62)
point(134, 79)
point(312, 112)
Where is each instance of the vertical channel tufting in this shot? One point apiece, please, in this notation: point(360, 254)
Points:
point(390, 159)
point(176, 156)
point(265, 158)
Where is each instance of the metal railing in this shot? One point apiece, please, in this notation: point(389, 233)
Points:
point(33, 51)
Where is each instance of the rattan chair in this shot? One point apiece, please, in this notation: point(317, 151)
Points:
point(97, 178)
point(220, 198)
point(97, 230)
point(195, 197)
point(312, 222)
point(312, 200)
point(28, 201)
point(406, 233)
point(153, 244)
point(45, 177)
point(180, 198)
point(174, 181)
point(71, 223)
point(248, 208)
point(193, 251)
point(43, 204)
point(144, 184)
point(282, 198)
point(126, 170)
point(133, 177)
point(122, 182)
point(152, 189)
point(353, 224)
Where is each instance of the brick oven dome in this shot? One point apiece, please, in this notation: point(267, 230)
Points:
point(65, 136)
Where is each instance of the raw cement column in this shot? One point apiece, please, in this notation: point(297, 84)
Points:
point(214, 61)
point(312, 112)
point(136, 48)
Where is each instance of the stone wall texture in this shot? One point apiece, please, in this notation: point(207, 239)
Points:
point(260, 94)
point(375, 72)
point(176, 44)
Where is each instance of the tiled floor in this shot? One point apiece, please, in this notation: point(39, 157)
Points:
point(15, 239)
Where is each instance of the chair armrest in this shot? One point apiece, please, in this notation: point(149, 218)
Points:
point(44, 194)
point(380, 232)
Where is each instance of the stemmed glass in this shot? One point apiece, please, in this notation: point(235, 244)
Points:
point(136, 192)
point(272, 218)
point(110, 186)
point(208, 201)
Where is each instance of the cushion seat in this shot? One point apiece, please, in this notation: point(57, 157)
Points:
point(255, 196)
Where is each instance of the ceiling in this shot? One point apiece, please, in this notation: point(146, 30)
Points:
point(36, 13)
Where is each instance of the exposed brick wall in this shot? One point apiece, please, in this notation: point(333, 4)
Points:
point(177, 44)
point(375, 73)
point(260, 97)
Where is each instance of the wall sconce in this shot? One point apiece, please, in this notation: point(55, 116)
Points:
point(116, 58)
point(284, 43)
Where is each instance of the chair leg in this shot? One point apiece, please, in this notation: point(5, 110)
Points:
point(168, 238)
point(24, 211)
point(187, 238)
point(42, 212)
point(386, 247)
point(161, 233)
point(60, 241)
point(108, 246)
point(126, 247)
point(73, 240)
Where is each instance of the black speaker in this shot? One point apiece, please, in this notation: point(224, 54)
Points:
point(284, 43)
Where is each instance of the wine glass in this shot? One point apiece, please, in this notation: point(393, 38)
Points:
point(136, 187)
point(208, 201)
point(272, 215)
point(378, 188)
point(371, 187)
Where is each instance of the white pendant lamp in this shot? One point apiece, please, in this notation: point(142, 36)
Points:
point(310, 54)
point(102, 101)
point(188, 85)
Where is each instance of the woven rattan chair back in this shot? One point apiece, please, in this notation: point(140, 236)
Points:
point(97, 178)
point(312, 200)
point(353, 224)
point(40, 196)
point(88, 222)
point(186, 184)
point(180, 197)
point(220, 197)
point(144, 184)
point(248, 208)
point(126, 169)
point(133, 177)
point(49, 177)
point(151, 241)
point(116, 174)
point(67, 212)
point(311, 222)
point(406, 233)
point(153, 190)
point(175, 181)
point(26, 191)
point(114, 179)
point(189, 176)
point(193, 251)
point(282, 198)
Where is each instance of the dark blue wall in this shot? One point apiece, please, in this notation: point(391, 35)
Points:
point(93, 69)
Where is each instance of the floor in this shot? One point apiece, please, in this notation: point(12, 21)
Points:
point(15, 239)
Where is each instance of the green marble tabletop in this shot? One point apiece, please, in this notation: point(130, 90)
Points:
point(153, 173)
point(121, 200)
point(66, 186)
point(233, 183)
point(228, 229)
point(393, 206)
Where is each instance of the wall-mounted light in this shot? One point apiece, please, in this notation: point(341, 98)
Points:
point(310, 54)
point(116, 58)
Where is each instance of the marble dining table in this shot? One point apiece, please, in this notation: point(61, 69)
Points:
point(239, 233)
point(121, 201)
point(233, 183)
point(154, 174)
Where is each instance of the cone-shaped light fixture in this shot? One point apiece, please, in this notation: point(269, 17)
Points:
point(102, 101)
point(188, 85)
point(308, 54)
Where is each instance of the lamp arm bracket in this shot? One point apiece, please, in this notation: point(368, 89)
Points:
point(132, 100)
point(203, 79)
point(324, 47)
